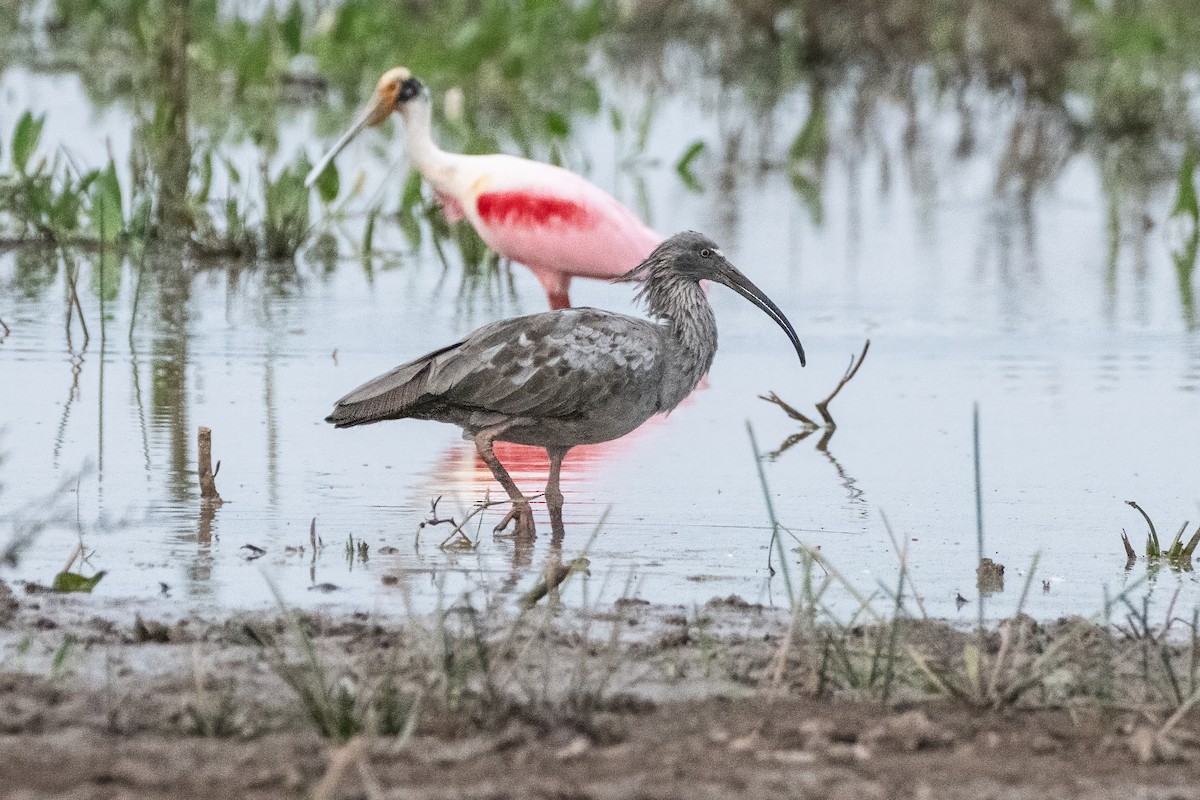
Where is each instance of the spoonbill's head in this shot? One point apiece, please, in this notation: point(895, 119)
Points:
point(395, 90)
point(691, 257)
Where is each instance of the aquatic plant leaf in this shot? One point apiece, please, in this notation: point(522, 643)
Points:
point(683, 167)
point(235, 177)
point(67, 582)
point(328, 183)
point(369, 233)
point(285, 222)
point(1185, 189)
point(557, 124)
point(108, 218)
point(411, 197)
point(25, 139)
point(810, 141)
point(810, 192)
point(206, 176)
point(291, 28)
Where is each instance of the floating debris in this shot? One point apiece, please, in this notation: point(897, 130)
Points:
point(255, 551)
point(989, 576)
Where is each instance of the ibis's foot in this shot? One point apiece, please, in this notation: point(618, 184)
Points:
point(523, 515)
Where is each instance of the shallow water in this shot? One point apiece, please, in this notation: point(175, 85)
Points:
point(1077, 350)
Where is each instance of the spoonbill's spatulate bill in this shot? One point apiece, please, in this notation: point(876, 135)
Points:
point(575, 376)
point(551, 220)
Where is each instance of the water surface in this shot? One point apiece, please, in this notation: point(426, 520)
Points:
point(1058, 310)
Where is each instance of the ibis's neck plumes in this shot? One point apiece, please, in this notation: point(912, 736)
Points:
point(682, 306)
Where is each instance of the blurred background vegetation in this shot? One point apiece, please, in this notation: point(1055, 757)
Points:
point(203, 79)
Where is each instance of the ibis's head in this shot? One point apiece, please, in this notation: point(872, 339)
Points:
point(394, 92)
point(693, 257)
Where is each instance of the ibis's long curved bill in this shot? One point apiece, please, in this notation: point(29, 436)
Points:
point(368, 116)
point(734, 279)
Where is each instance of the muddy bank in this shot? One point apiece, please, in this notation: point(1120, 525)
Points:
point(628, 700)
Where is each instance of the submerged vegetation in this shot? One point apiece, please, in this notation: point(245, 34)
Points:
point(210, 90)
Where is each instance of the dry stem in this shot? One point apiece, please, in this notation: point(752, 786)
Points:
point(822, 408)
point(208, 478)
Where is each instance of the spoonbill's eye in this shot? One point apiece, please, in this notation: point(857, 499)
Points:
point(409, 89)
point(705, 253)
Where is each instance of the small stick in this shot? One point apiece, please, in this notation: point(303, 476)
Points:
point(478, 509)
point(7, 330)
point(851, 371)
point(810, 425)
point(789, 410)
point(1130, 553)
point(74, 555)
point(1153, 532)
point(74, 298)
point(208, 481)
point(433, 517)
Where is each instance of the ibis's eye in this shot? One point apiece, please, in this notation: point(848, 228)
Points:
point(705, 253)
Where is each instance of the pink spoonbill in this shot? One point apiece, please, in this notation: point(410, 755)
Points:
point(545, 217)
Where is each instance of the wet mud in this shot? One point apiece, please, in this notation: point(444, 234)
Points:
point(630, 701)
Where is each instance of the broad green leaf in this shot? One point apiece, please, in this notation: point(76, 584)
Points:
point(25, 139)
point(411, 196)
point(108, 218)
point(810, 142)
point(328, 183)
point(66, 582)
point(810, 192)
point(557, 124)
point(64, 211)
point(683, 167)
point(291, 28)
point(235, 177)
point(285, 223)
point(206, 176)
point(1185, 188)
point(369, 233)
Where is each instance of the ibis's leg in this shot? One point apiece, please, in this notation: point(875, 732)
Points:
point(554, 497)
point(520, 504)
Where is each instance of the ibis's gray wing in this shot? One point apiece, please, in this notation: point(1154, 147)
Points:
point(553, 365)
point(556, 364)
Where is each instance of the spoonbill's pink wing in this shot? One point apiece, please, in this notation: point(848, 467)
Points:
point(552, 220)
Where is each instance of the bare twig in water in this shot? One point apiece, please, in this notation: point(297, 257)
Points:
point(810, 425)
point(477, 510)
point(7, 330)
point(433, 517)
point(208, 479)
point(458, 533)
point(851, 371)
point(1153, 532)
point(72, 280)
point(789, 410)
point(1130, 553)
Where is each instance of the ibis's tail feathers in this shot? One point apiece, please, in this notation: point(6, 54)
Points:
point(392, 395)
